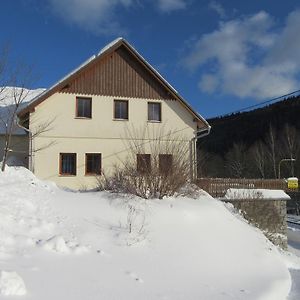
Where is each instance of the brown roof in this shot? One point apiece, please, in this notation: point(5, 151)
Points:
point(63, 84)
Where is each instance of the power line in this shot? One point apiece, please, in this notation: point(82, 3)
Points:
point(257, 105)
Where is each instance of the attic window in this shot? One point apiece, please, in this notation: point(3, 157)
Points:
point(83, 107)
point(154, 112)
point(121, 109)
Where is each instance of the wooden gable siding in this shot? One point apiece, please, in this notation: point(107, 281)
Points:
point(118, 74)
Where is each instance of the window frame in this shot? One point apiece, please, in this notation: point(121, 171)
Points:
point(160, 112)
point(86, 165)
point(144, 170)
point(160, 167)
point(114, 111)
point(60, 164)
point(76, 109)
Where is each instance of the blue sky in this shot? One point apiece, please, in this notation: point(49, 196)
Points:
point(219, 55)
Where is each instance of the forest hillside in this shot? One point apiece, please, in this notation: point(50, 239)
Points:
point(251, 144)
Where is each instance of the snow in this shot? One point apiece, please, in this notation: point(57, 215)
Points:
point(11, 284)
point(293, 218)
point(7, 102)
point(7, 93)
point(256, 194)
point(109, 45)
point(294, 248)
point(67, 245)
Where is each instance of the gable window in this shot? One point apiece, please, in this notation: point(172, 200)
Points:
point(154, 111)
point(83, 107)
point(143, 163)
point(67, 164)
point(93, 163)
point(165, 163)
point(121, 109)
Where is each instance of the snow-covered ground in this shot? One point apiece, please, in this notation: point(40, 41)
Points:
point(256, 194)
point(56, 244)
point(294, 247)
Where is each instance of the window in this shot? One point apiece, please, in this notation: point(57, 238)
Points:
point(154, 111)
point(93, 163)
point(67, 164)
point(83, 107)
point(165, 163)
point(121, 109)
point(143, 163)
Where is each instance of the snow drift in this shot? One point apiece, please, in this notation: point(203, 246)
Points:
point(66, 245)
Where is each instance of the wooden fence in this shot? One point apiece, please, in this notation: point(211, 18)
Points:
point(217, 187)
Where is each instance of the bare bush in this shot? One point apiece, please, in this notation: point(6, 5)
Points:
point(158, 164)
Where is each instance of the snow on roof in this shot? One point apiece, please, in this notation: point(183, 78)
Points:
point(7, 94)
point(111, 44)
point(7, 103)
point(256, 194)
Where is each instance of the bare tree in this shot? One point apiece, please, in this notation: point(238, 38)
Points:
point(291, 145)
point(236, 160)
point(202, 161)
point(259, 156)
point(272, 149)
point(15, 80)
point(16, 95)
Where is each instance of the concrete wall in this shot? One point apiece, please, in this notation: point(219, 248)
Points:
point(101, 133)
point(268, 215)
point(20, 147)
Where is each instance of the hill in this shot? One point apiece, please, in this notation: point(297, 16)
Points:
point(249, 128)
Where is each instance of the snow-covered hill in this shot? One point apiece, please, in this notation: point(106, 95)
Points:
point(56, 244)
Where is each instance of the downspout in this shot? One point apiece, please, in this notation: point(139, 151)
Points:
point(30, 165)
point(200, 133)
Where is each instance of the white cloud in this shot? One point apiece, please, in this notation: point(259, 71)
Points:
point(208, 83)
point(171, 5)
point(97, 16)
point(101, 16)
point(218, 8)
point(249, 57)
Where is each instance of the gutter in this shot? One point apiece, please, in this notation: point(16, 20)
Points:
point(200, 133)
point(30, 144)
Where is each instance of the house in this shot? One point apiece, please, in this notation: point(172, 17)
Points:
point(19, 140)
point(90, 110)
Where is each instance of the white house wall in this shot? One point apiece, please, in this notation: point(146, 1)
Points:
point(100, 134)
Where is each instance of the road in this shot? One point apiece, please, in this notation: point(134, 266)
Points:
point(294, 244)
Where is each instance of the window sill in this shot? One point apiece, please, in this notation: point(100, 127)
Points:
point(83, 118)
point(153, 121)
point(120, 119)
point(66, 175)
point(92, 174)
